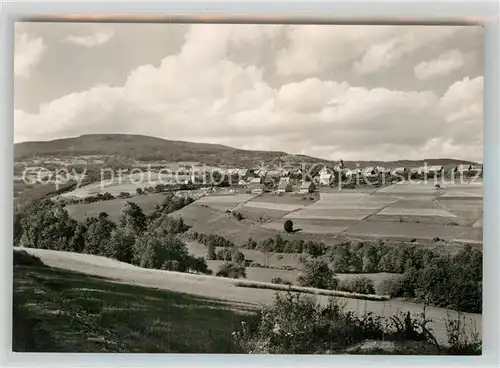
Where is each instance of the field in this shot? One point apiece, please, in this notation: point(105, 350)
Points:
point(407, 212)
point(113, 207)
point(199, 287)
point(62, 311)
point(124, 183)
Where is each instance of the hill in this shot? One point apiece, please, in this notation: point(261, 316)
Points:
point(145, 148)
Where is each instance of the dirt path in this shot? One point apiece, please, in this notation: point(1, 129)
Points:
point(220, 288)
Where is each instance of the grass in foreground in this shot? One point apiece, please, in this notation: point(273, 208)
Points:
point(61, 311)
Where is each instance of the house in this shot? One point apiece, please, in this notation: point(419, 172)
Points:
point(257, 188)
point(273, 174)
point(255, 180)
point(283, 187)
point(306, 187)
point(242, 183)
point(284, 180)
point(243, 173)
point(370, 171)
point(325, 176)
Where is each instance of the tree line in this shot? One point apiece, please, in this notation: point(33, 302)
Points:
point(146, 241)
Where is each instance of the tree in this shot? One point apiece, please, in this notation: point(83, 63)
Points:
point(133, 218)
point(341, 262)
point(238, 257)
point(266, 246)
point(140, 191)
point(288, 226)
point(232, 270)
point(77, 241)
point(371, 259)
point(317, 274)
point(98, 234)
point(224, 255)
point(121, 245)
point(159, 250)
point(211, 254)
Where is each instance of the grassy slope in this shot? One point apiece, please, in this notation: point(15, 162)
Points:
point(62, 311)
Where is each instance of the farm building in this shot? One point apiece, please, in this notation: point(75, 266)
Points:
point(257, 188)
point(306, 187)
point(284, 187)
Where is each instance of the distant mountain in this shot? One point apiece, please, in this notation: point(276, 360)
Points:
point(145, 148)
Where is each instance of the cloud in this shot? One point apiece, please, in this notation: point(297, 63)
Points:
point(92, 40)
point(199, 95)
point(399, 45)
point(28, 52)
point(444, 64)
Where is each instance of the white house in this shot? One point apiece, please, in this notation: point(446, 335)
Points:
point(325, 176)
point(257, 188)
point(306, 187)
point(370, 171)
point(284, 187)
point(255, 181)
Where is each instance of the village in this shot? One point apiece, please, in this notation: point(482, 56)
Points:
point(280, 179)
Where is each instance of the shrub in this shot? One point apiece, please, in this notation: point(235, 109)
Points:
point(318, 274)
point(296, 324)
point(237, 215)
point(211, 254)
point(224, 255)
point(231, 270)
point(238, 257)
point(288, 226)
point(360, 285)
point(279, 280)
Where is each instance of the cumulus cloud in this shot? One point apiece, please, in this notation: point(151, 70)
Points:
point(386, 53)
point(91, 40)
point(444, 64)
point(200, 95)
point(28, 52)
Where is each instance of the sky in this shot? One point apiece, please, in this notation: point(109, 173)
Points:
point(335, 92)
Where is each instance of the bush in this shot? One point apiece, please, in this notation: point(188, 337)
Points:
point(359, 285)
point(231, 270)
point(317, 274)
point(211, 254)
point(224, 255)
point(238, 257)
point(279, 280)
point(288, 226)
point(296, 324)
